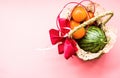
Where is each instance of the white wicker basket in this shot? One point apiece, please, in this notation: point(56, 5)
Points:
point(101, 16)
point(111, 37)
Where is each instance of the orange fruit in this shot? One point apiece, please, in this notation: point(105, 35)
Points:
point(91, 14)
point(79, 33)
point(79, 14)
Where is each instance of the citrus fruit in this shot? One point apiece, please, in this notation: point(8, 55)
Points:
point(80, 32)
point(79, 14)
point(91, 14)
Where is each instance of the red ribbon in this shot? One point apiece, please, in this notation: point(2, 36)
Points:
point(66, 45)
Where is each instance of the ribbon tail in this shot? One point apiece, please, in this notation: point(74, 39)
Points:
point(61, 48)
point(69, 48)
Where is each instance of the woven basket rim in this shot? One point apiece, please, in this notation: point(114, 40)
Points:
point(111, 36)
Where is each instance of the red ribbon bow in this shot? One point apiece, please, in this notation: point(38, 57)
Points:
point(67, 45)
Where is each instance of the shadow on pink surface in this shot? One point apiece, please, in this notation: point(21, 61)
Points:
point(24, 27)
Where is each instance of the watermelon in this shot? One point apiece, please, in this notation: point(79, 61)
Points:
point(94, 40)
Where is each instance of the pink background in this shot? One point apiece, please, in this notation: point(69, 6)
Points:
point(24, 26)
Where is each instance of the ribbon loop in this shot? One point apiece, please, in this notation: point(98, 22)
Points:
point(54, 36)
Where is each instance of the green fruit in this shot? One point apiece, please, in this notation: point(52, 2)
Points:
point(94, 40)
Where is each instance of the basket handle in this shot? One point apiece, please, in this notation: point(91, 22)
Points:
point(110, 13)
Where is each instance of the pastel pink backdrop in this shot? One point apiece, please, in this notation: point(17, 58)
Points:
point(24, 26)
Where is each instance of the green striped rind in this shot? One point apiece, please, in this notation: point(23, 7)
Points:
point(94, 40)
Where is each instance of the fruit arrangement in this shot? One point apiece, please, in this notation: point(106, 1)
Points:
point(82, 31)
